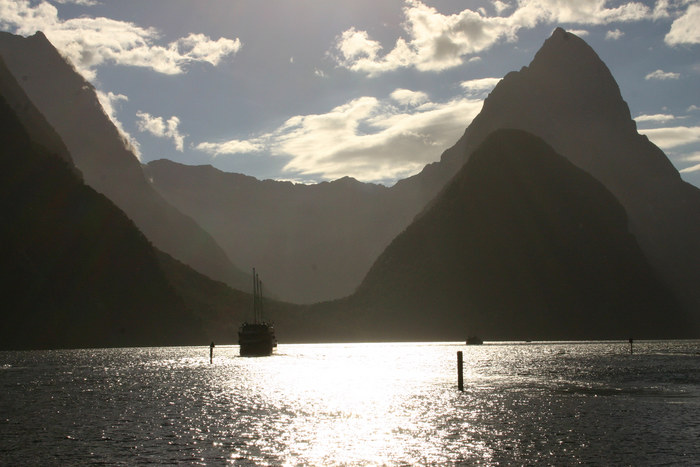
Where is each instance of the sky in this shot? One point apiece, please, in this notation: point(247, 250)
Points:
point(312, 90)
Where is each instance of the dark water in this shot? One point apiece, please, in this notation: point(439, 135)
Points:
point(377, 404)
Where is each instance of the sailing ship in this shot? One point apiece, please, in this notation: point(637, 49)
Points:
point(257, 339)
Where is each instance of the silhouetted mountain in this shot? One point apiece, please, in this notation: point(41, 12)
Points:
point(34, 123)
point(314, 242)
point(568, 97)
point(75, 270)
point(71, 107)
point(521, 244)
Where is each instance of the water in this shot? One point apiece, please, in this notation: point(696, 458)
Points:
point(378, 404)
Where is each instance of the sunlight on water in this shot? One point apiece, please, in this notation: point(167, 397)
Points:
point(354, 404)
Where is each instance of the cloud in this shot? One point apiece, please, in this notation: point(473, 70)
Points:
point(371, 139)
point(158, 126)
point(408, 97)
point(662, 75)
point(89, 42)
point(435, 42)
point(479, 86)
point(500, 7)
point(685, 30)
point(672, 137)
point(614, 35)
point(109, 102)
point(693, 157)
point(78, 2)
point(232, 147)
point(654, 118)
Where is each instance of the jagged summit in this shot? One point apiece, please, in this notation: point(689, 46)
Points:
point(568, 96)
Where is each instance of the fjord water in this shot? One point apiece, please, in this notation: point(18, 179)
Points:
point(558, 403)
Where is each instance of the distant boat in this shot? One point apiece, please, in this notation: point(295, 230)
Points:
point(474, 340)
point(257, 339)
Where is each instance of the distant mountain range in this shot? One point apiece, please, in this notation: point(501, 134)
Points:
point(550, 218)
point(314, 242)
point(323, 239)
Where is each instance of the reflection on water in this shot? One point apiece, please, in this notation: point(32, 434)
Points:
point(557, 403)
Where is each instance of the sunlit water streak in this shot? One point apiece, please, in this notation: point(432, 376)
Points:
point(395, 404)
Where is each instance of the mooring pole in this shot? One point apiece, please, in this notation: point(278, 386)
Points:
point(460, 368)
point(211, 352)
point(631, 341)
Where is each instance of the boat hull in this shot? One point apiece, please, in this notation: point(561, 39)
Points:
point(256, 340)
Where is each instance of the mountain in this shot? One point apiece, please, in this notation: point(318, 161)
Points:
point(312, 242)
point(75, 270)
point(71, 107)
point(521, 244)
point(568, 97)
point(322, 244)
point(34, 123)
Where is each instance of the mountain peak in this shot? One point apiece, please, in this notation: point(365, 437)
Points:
point(566, 53)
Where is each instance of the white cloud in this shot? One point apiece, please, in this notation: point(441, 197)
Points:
point(232, 147)
point(162, 128)
point(672, 137)
point(661, 9)
point(78, 2)
point(693, 157)
point(654, 118)
point(662, 75)
point(109, 101)
point(693, 108)
point(614, 35)
point(436, 42)
point(579, 32)
point(370, 139)
point(500, 7)
point(89, 42)
point(479, 86)
point(408, 97)
point(685, 30)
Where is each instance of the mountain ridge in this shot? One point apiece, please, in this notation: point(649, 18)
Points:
point(72, 108)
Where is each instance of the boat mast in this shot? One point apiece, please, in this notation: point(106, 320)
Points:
point(257, 298)
point(260, 301)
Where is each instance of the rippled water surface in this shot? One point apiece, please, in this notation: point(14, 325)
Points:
point(557, 403)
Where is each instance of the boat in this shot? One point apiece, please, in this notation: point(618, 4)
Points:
point(474, 340)
point(257, 339)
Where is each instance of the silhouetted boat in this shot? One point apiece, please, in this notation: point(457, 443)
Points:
point(257, 339)
point(474, 340)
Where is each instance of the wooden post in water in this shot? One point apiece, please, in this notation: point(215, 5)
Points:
point(211, 352)
point(460, 368)
point(631, 350)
